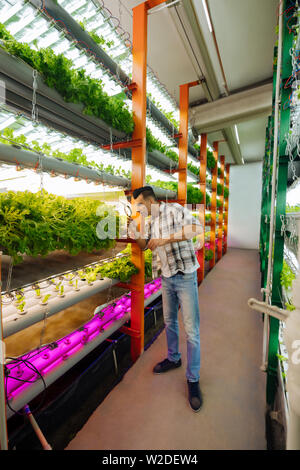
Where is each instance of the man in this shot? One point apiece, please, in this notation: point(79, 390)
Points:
point(170, 234)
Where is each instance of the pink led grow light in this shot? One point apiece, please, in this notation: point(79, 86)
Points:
point(51, 356)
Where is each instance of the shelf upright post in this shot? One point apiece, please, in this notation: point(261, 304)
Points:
point(214, 205)
point(221, 210)
point(203, 166)
point(226, 205)
point(139, 108)
point(267, 180)
point(265, 206)
point(184, 140)
point(280, 209)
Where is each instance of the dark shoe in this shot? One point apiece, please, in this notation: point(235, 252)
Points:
point(166, 365)
point(195, 396)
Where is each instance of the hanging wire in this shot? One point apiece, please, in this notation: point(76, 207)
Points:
point(34, 112)
point(8, 282)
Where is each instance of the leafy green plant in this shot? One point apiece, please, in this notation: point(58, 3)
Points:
point(21, 307)
point(45, 299)
point(100, 40)
point(120, 268)
point(57, 287)
point(169, 115)
point(219, 189)
point(91, 277)
point(293, 208)
point(290, 307)
point(211, 161)
point(194, 195)
point(73, 85)
point(35, 224)
point(194, 169)
point(38, 292)
point(148, 260)
point(208, 255)
point(287, 276)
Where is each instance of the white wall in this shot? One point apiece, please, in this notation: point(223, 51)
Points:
point(245, 187)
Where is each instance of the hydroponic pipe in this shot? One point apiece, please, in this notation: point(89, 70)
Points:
point(44, 358)
point(12, 155)
point(15, 321)
point(163, 162)
point(55, 365)
point(28, 159)
point(22, 74)
point(66, 22)
point(274, 180)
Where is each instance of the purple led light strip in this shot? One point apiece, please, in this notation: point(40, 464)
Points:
point(51, 356)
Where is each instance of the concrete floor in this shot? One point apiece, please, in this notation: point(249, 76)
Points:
point(147, 411)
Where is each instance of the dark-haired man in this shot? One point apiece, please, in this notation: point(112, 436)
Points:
point(169, 236)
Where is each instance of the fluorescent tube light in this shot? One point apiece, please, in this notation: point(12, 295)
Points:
point(7, 123)
point(207, 15)
point(237, 135)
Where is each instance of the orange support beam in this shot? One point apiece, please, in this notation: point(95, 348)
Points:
point(214, 205)
point(226, 209)
point(183, 142)
point(203, 166)
point(138, 145)
point(184, 139)
point(153, 3)
point(139, 106)
point(220, 222)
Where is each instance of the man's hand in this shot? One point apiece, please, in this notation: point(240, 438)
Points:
point(154, 243)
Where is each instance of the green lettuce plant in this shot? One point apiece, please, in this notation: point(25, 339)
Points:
point(35, 224)
point(73, 85)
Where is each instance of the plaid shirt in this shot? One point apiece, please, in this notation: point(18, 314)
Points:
point(180, 256)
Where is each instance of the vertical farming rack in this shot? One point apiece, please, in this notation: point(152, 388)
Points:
point(41, 130)
point(280, 173)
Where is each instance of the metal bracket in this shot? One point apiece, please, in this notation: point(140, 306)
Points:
point(123, 145)
point(129, 286)
point(130, 332)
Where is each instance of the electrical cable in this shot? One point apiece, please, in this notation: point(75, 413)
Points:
point(33, 368)
point(194, 54)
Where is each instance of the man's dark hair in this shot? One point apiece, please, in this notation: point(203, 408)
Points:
point(147, 192)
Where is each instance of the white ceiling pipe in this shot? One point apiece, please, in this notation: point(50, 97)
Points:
point(233, 109)
point(37, 387)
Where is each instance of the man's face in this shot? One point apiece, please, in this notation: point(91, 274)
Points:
point(143, 206)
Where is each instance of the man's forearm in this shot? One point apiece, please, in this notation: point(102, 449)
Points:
point(136, 235)
point(186, 233)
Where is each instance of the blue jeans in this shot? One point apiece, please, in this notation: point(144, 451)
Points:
point(182, 290)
